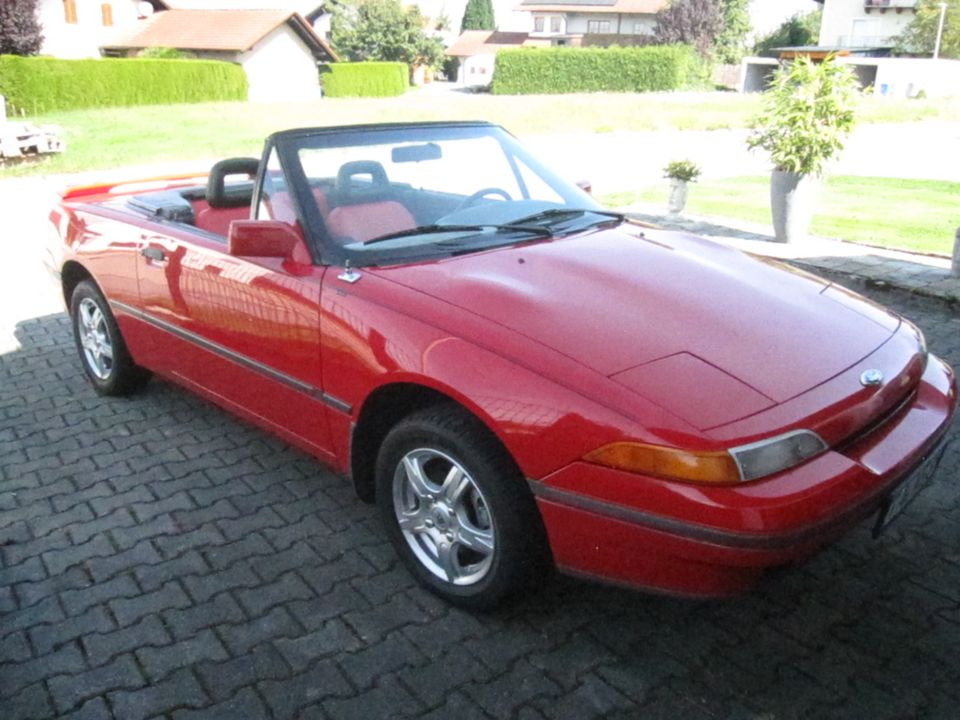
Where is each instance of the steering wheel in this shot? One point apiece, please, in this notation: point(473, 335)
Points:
point(479, 195)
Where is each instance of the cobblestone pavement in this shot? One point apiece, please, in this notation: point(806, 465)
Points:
point(160, 558)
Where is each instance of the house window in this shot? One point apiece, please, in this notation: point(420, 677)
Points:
point(106, 12)
point(555, 25)
point(70, 12)
point(538, 24)
point(595, 27)
point(639, 29)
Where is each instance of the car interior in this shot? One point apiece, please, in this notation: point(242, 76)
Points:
point(359, 204)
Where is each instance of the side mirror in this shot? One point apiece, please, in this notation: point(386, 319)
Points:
point(261, 238)
point(586, 186)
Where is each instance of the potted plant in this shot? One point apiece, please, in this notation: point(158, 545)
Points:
point(808, 112)
point(679, 173)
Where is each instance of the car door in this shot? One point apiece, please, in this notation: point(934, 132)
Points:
point(244, 331)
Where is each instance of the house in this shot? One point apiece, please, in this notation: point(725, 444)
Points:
point(278, 49)
point(864, 25)
point(477, 50)
point(862, 34)
point(77, 28)
point(566, 22)
point(314, 12)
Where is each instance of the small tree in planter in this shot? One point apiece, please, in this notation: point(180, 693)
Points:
point(679, 173)
point(808, 112)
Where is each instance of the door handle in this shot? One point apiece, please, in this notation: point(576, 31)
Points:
point(153, 253)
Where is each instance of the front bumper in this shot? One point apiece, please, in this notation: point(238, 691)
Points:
point(711, 541)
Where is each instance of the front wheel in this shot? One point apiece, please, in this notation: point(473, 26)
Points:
point(103, 353)
point(457, 509)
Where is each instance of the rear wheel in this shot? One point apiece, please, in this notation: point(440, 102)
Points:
point(104, 355)
point(457, 509)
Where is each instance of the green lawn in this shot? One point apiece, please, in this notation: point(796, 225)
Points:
point(918, 215)
point(119, 137)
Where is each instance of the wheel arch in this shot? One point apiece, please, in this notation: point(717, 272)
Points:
point(72, 274)
point(382, 410)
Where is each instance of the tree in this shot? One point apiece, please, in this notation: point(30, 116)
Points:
point(802, 29)
point(730, 44)
point(921, 34)
point(691, 22)
point(478, 15)
point(383, 30)
point(20, 32)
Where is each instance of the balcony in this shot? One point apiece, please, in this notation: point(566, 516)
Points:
point(884, 5)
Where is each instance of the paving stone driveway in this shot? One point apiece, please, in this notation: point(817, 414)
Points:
point(161, 558)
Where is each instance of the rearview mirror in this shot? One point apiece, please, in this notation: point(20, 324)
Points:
point(416, 153)
point(586, 186)
point(261, 238)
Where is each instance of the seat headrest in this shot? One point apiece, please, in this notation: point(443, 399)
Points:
point(217, 195)
point(349, 190)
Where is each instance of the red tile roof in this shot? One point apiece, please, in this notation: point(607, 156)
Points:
point(488, 42)
point(223, 30)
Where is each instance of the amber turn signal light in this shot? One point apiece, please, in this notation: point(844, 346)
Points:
point(671, 463)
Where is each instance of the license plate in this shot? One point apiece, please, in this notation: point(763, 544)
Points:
point(904, 493)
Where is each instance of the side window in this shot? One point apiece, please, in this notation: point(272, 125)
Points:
point(275, 202)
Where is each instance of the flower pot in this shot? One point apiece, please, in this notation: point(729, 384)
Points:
point(678, 196)
point(792, 198)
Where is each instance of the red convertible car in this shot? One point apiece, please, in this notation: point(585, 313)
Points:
point(519, 378)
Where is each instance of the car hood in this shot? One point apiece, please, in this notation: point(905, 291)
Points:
point(705, 331)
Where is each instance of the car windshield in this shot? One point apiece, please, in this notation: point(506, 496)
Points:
point(393, 194)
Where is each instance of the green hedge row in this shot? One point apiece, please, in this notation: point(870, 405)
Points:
point(42, 84)
point(365, 79)
point(617, 69)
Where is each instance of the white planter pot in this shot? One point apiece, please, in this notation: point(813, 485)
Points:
point(678, 196)
point(792, 200)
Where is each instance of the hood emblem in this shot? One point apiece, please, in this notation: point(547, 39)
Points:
point(870, 378)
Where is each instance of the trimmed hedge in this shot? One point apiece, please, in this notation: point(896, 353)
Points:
point(528, 71)
point(41, 84)
point(365, 79)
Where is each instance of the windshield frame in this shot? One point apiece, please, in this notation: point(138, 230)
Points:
point(290, 143)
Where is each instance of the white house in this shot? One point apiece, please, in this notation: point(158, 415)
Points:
point(77, 28)
point(864, 24)
point(567, 21)
point(278, 49)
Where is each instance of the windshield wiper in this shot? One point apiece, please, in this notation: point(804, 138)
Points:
point(441, 229)
point(560, 213)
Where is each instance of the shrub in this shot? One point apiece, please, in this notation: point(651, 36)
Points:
point(366, 79)
point(617, 69)
point(685, 170)
point(808, 112)
point(41, 84)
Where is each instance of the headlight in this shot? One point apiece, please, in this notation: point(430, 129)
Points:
point(739, 464)
point(772, 455)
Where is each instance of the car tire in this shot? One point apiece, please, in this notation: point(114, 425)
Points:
point(103, 353)
point(470, 530)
